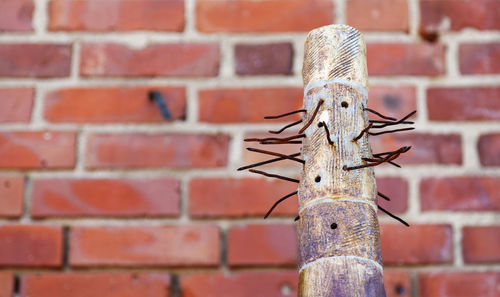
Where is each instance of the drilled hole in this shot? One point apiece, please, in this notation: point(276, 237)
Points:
point(344, 104)
point(400, 290)
point(430, 36)
point(317, 179)
point(43, 163)
point(333, 226)
point(286, 290)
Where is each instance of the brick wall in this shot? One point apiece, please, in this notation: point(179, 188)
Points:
point(101, 197)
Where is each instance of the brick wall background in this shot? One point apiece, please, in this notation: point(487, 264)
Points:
point(101, 197)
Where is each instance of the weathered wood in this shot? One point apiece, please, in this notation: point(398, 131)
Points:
point(339, 242)
point(341, 277)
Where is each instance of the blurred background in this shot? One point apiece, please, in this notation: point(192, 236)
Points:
point(102, 196)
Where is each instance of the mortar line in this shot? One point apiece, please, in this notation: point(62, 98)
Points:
point(258, 81)
point(226, 67)
point(340, 11)
point(40, 18)
point(413, 18)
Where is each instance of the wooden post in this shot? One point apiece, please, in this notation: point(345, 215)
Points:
point(339, 243)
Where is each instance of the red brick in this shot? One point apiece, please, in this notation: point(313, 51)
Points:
point(6, 284)
point(392, 101)
point(96, 284)
point(105, 197)
point(258, 59)
point(111, 105)
point(445, 149)
point(240, 284)
point(117, 15)
point(156, 150)
point(16, 104)
point(11, 196)
point(417, 244)
point(35, 60)
point(229, 197)
point(173, 246)
point(30, 246)
point(481, 244)
point(488, 147)
point(442, 15)
point(16, 15)
point(253, 157)
point(460, 193)
point(397, 283)
point(262, 16)
point(248, 105)
point(459, 284)
point(115, 60)
point(479, 58)
point(378, 15)
point(423, 59)
point(455, 104)
point(262, 245)
point(395, 188)
point(37, 149)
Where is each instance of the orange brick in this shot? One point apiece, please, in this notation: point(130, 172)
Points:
point(395, 188)
point(111, 105)
point(41, 60)
point(459, 284)
point(156, 151)
point(37, 149)
point(116, 15)
point(16, 104)
point(6, 284)
point(173, 246)
point(481, 244)
point(420, 59)
point(438, 16)
point(105, 197)
point(454, 104)
point(397, 283)
point(11, 196)
point(16, 15)
point(378, 15)
point(262, 245)
point(95, 284)
point(248, 105)
point(31, 246)
point(240, 284)
point(263, 59)
point(392, 101)
point(463, 193)
point(262, 16)
point(488, 147)
point(229, 197)
point(417, 244)
point(249, 157)
point(479, 58)
point(445, 149)
point(115, 60)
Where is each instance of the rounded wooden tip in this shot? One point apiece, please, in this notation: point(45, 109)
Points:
point(335, 52)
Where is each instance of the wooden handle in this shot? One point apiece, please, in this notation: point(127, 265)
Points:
point(339, 242)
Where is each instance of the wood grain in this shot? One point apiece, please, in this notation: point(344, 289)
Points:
point(339, 241)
